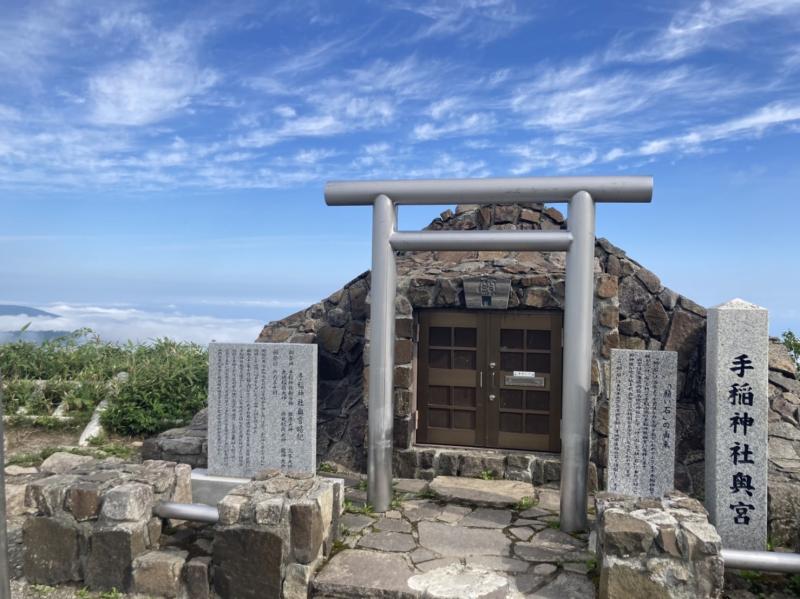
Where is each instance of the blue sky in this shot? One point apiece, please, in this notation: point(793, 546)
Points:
point(162, 164)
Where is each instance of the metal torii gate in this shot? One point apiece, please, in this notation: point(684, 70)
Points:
point(581, 193)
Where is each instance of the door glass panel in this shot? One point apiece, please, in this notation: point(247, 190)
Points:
point(440, 336)
point(440, 396)
point(464, 359)
point(463, 419)
point(439, 418)
point(538, 339)
point(537, 400)
point(539, 362)
point(465, 337)
point(511, 398)
point(511, 361)
point(510, 423)
point(464, 396)
point(510, 339)
point(439, 358)
point(537, 424)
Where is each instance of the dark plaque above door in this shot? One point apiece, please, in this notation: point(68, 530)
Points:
point(487, 293)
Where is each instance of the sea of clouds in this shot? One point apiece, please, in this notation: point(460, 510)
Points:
point(123, 323)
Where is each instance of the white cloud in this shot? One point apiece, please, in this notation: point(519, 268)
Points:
point(706, 24)
point(121, 324)
point(753, 124)
point(533, 158)
point(480, 21)
point(476, 123)
point(149, 89)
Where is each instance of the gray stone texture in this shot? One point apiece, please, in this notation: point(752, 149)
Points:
point(262, 413)
point(664, 547)
point(70, 537)
point(159, 573)
point(641, 422)
point(737, 414)
point(283, 523)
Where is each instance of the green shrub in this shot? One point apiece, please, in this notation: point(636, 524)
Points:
point(167, 384)
point(792, 343)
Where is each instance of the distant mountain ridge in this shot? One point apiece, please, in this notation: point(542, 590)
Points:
point(32, 336)
point(11, 310)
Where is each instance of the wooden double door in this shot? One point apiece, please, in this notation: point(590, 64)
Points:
point(490, 379)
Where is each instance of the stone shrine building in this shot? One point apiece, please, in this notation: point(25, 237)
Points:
point(449, 420)
point(446, 422)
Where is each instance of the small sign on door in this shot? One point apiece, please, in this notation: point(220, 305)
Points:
point(525, 373)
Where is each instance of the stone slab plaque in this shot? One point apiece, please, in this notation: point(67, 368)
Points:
point(487, 293)
point(641, 422)
point(737, 422)
point(262, 408)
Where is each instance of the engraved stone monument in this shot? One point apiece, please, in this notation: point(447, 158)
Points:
point(262, 408)
point(641, 422)
point(737, 408)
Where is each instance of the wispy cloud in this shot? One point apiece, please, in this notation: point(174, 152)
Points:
point(705, 24)
point(154, 86)
point(468, 20)
point(753, 124)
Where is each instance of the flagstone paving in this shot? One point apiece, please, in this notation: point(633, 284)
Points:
point(474, 544)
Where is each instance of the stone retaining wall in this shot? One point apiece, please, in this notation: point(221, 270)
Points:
point(656, 548)
point(91, 522)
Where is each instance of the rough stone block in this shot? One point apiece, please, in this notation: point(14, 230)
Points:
point(159, 573)
point(63, 461)
point(306, 531)
point(196, 575)
point(624, 535)
point(52, 548)
point(256, 577)
point(83, 501)
point(129, 502)
point(112, 550)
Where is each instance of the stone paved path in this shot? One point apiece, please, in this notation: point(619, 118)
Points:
point(476, 544)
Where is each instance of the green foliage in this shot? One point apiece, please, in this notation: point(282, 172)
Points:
point(112, 594)
point(42, 590)
point(362, 485)
point(794, 585)
point(107, 450)
point(486, 475)
point(525, 503)
point(167, 384)
point(792, 343)
point(556, 524)
point(326, 467)
point(167, 381)
point(352, 508)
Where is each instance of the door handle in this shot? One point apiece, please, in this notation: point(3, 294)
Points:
point(481, 380)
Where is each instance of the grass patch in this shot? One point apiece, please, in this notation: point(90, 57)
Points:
point(165, 382)
point(429, 494)
point(487, 475)
point(107, 450)
point(352, 508)
point(326, 467)
point(362, 485)
point(556, 524)
point(526, 503)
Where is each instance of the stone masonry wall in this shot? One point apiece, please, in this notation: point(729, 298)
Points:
point(632, 310)
point(656, 548)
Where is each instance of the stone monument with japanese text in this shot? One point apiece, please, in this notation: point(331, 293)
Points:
point(641, 422)
point(737, 420)
point(262, 408)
